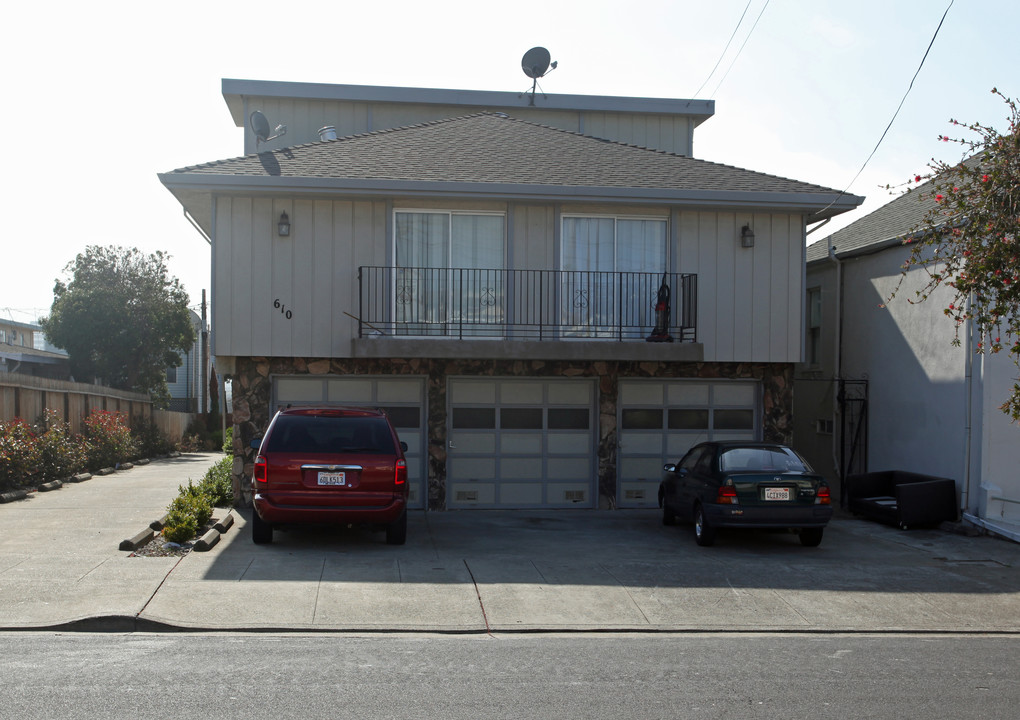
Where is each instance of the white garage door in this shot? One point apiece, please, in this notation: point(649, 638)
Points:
point(521, 443)
point(659, 421)
point(402, 398)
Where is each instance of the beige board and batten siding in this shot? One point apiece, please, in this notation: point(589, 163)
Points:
point(749, 299)
point(313, 274)
point(304, 118)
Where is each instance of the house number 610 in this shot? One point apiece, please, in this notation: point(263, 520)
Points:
point(282, 308)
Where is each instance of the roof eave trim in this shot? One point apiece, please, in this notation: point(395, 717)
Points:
point(234, 90)
point(816, 204)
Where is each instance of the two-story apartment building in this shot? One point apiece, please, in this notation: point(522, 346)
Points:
point(21, 353)
point(550, 301)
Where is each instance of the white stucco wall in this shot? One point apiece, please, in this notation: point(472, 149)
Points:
point(996, 496)
point(916, 377)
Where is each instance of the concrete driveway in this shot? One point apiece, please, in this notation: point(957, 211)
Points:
point(487, 571)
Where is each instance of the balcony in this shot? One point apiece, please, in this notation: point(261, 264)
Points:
point(522, 305)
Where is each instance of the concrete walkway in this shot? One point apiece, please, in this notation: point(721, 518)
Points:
point(486, 571)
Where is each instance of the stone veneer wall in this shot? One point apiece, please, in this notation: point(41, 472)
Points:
point(252, 390)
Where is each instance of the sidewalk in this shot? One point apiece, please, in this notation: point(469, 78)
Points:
point(495, 571)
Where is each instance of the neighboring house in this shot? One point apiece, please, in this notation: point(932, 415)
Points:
point(490, 272)
point(884, 388)
point(23, 350)
point(188, 384)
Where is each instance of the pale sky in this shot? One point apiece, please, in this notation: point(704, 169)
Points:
point(102, 96)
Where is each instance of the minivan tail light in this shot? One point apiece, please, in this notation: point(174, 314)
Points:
point(400, 474)
point(727, 495)
point(260, 474)
point(823, 497)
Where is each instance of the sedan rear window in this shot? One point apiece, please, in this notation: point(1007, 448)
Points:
point(330, 434)
point(754, 459)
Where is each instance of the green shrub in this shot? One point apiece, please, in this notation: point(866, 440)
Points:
point(60, 452)
point(149, 439)
point(108, 439)
point(181, 522)
point(217, 484)
point(228, 441)
point(19, 453)
point(196, 499)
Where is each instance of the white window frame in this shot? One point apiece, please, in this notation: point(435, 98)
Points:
point(616, 218)
point(449, 247)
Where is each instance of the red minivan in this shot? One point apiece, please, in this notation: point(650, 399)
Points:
point(330, 465)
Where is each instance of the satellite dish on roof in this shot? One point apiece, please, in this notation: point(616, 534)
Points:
point(535, 64)
point(260, 127)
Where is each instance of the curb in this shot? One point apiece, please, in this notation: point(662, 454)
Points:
point(13, 495)
point(138, 540)
point(203, 544)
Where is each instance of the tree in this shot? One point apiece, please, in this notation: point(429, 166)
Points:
point(969, 240)
point(121, 317)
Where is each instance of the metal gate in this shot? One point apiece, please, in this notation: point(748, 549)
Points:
point(853, 407)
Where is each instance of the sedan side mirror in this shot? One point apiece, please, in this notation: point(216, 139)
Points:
point(256, 443)
point(403, 446)
point(669, 467)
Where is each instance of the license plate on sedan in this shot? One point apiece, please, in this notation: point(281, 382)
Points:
point(777, 493)
point(333, 478)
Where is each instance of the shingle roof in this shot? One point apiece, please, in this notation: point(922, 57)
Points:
point(494, 148)
point(888, 225)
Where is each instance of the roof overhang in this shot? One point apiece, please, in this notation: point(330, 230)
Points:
point(235, 91)
point(196, 191)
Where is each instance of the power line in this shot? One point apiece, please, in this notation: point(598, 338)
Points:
point(723, 54)
point(733, 62)
point(898, 108)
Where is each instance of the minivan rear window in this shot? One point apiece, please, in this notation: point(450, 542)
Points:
point(330, 434)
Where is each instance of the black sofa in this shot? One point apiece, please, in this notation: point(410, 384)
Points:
point(902, 498)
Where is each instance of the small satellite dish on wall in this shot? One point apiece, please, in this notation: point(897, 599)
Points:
point(535, 64)
point(260, 128)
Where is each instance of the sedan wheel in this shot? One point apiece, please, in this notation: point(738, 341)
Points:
point(704, 534)
point(811, 537)
point(668, 518)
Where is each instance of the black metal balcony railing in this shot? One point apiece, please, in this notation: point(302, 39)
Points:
point(522, 304)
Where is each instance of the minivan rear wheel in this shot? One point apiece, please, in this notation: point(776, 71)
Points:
point(396, 531)
point(261, 531)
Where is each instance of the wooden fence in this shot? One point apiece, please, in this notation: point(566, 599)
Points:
point(26, 396)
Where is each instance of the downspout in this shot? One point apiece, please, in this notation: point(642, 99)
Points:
point(967, 431)
point(837, 369)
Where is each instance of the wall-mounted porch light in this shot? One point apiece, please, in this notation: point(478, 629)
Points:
point(746, 236)
point(283, 227)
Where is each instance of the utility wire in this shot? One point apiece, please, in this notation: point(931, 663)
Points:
point(898, 108)
point(723, 54)
point(733, 62)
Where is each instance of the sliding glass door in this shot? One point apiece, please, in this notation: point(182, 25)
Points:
point(449, 273)
point(601, 259)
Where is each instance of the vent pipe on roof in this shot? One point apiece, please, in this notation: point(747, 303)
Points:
point(327, 133)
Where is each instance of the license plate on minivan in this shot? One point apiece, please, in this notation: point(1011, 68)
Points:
point(777, 493)
point(333, 478)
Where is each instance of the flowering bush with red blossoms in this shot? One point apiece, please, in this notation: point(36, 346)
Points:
point(107, 438)
point(969, 241)
point(61, 452)
point(19, 453)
